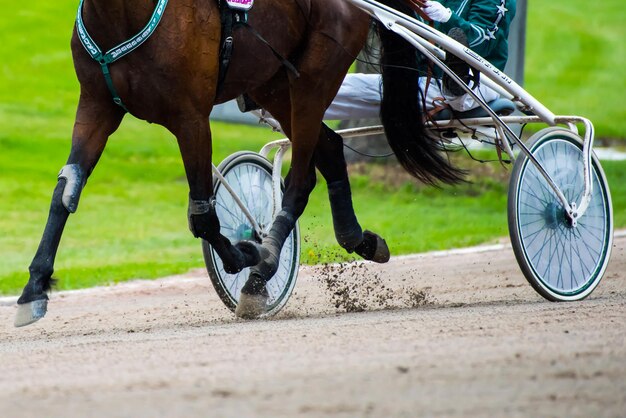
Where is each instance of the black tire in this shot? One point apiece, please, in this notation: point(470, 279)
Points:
point(562, 262)
point(250, 175)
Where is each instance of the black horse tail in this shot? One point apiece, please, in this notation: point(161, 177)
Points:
point(419, 152)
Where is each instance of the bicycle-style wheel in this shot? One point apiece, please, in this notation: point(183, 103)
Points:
point(562, 261)
point(250, 176)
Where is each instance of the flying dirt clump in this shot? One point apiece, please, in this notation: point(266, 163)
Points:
point(354, 287)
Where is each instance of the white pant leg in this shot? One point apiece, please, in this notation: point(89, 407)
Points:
point(359, 97)
point(459, 103)
point(433, 94)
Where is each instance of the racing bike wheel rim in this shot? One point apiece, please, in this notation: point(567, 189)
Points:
point(565, 261)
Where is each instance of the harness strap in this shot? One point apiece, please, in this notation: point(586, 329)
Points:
point(119, 51)
point(418, 6)
point(226, 52)
point(282, 59)
point(430, 66)
point(230, 19)
point(109, 81)
point(439, 104)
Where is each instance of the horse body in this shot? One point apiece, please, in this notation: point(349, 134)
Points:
point(294, 34)
point(172, 80)
point(162, 78)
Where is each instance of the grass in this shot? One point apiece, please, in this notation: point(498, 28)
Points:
point(132, 217)
point(131, 222)
point(575, 56)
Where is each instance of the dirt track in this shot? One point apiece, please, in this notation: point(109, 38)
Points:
point(461, 335)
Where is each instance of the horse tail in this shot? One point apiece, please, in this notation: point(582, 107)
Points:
point(419, 152)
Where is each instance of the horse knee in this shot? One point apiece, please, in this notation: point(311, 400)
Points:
point(297, 197)
point(66, 195)
point(348, 232)
point(74, 177)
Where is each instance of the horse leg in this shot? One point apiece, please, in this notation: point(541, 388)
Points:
point(194, 140)
point(276, 97)
point(94, 124)
point(309, 96)
point(330, 160)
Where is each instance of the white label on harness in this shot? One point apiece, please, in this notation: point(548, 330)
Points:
point(240, 4)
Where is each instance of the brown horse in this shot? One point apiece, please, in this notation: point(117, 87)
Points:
point(172, 80)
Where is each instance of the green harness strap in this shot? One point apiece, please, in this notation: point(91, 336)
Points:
point(117, 52)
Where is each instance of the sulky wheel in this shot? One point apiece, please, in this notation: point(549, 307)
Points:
point(562, 261)
point(250, 176)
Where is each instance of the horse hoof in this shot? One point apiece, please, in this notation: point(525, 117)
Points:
point(251, 306)
point(31, 312)
point(373, 248)
point(382, 254)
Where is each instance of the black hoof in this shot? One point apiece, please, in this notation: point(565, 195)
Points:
point(244, 254)
point(373, 248)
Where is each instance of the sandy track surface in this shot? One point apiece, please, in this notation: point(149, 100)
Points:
point(458, 334)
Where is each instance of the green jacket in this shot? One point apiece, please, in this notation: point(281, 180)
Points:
point(486, 24)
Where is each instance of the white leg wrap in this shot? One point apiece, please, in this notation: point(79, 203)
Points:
point(74, 183)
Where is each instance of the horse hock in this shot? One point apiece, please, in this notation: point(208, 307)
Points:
point(204, 223)
point(348, 232)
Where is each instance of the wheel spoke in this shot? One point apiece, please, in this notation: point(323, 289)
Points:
point(234, 217)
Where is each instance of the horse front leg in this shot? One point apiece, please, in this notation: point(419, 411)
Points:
point(93, 126)
point(194, 141)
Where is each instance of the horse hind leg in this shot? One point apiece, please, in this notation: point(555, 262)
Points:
point(94, 124)
point(329, 159)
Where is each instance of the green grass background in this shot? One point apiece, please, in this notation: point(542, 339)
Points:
point(131, 222)
point(575, 60)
